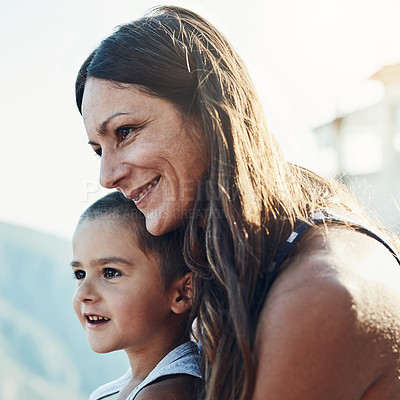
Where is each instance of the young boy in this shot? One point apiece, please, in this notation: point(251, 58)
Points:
point(134, 292)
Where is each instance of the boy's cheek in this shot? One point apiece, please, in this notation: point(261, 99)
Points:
point(77, 309)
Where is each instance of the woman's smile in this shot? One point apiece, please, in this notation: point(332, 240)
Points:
point(138, 194)
point(149, 150)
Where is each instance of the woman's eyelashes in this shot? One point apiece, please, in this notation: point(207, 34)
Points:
point(95, 147)
point(97, 151)
point(124, 132)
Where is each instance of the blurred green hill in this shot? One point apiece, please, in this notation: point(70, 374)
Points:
point(43, 350)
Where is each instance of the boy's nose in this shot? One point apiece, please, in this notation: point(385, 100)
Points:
point(86, 292)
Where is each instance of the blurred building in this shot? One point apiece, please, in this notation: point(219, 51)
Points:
point(364, 147)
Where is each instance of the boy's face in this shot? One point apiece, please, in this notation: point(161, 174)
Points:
point(120, 298)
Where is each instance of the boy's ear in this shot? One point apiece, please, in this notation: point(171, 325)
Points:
point(183, 294)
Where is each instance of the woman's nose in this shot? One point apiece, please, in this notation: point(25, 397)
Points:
point(112, 171)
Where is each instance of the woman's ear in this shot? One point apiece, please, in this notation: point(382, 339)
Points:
point(183, 294)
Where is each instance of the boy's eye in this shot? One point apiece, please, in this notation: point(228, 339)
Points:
point(111, 273)
point(79, 274)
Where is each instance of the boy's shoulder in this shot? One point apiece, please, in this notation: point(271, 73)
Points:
point(172, 387)
point(176, 377)
point(178, 372)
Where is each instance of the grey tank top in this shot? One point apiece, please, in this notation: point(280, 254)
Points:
point(184, 359)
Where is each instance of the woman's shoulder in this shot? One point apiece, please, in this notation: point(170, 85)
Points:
point(343, 252)
point(340, 257)
point(334, 311)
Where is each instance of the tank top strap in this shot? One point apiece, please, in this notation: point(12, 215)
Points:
point(300, 227)
point(336, 217)
point(322, 217)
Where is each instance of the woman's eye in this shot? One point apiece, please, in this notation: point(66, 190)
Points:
point(79, 274)
point(125, 131)
point(110, 273)
point(97, 150)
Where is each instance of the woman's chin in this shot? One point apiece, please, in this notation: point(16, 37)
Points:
point(158, 223)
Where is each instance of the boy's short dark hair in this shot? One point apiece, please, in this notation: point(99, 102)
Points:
point(168, 248)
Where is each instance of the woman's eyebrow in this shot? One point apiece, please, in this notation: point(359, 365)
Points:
point(102, 130)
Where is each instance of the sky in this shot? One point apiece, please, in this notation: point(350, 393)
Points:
point(310, 61)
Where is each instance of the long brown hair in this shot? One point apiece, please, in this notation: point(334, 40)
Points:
point(250, 197)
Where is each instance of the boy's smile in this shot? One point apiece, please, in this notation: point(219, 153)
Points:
point(96, 319)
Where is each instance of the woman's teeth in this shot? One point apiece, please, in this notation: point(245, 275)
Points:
point(146, 189)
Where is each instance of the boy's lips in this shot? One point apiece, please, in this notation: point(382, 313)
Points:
point(95, 318)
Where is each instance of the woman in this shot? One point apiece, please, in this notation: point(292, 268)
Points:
point(293, 300)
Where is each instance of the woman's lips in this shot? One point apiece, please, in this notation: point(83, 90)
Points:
point(141, 192)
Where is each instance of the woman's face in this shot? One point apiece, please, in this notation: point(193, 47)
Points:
point(148, 151)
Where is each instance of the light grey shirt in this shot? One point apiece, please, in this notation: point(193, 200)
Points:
point(184, 359)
